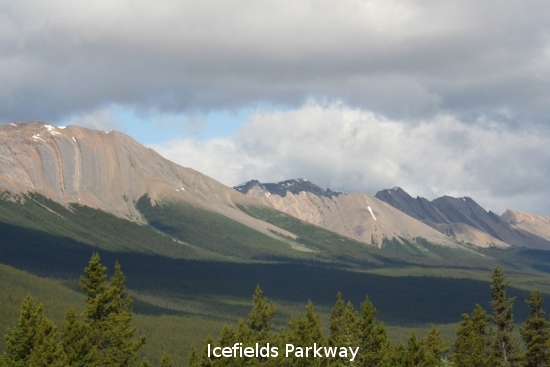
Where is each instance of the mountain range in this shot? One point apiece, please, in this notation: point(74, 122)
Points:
point(371, 219)
point(112, 172)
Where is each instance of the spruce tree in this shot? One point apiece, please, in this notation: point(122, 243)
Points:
point(536, 333)
point(374, 342)
point(397, 356)
point(34, 342)
point(260, 318)
point(436, 348)
point(258, 327)
point(343, 329)
point(305, 332)
point(108, 316)
point(194, 360)
point(473, 340)
point(505, 348)
point(416, 355)
point(207, 361)
point(228, 337)
point(75, 338)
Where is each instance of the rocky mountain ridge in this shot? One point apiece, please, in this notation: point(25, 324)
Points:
point(359, 216)
point(108, 171)
point(467, 221)
point(460, 220)
point(111, 171)
point(294, 186)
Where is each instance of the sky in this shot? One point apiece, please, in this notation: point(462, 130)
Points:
point(438, 97)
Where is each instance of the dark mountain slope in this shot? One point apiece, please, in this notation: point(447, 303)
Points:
point(462, 218)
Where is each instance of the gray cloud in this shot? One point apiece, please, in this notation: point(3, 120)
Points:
point(402, 59)
point(353, 150)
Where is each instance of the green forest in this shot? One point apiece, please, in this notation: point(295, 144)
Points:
point(103, 334)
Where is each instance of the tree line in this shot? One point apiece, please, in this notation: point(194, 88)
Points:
point(482, 340)
point(102, 335)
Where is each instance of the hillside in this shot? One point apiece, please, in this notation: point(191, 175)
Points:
point(108, 171)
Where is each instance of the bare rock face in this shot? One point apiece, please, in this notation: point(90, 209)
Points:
point(106, 170)
point(467, 221)
point(536, 224)
point(359, 216)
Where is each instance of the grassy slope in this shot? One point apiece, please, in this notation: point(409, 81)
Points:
point(84, 225)
point(213, 232)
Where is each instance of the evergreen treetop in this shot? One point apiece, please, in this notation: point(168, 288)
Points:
point(504, 347)
point(536, 333)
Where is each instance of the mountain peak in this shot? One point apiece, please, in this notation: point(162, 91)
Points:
point(104, 170)
point(295, 186)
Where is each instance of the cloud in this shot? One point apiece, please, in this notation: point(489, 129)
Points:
point(101, 119)
point(346, 148)
point(402, 59)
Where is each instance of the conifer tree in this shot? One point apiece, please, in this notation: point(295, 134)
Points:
point(505, 348)
point(75, 338)
point(260, 318)
point(305, 332)
point(473, 340)
point(258, 326)
point(536, 333)
point(228, 337)
point(108, 316)
point(436, 348)
point(34, 342)
point(416, 355)
point(194, 360)
point(374, 342)
point(396, 356)
point(207, 361)
point(343, 329)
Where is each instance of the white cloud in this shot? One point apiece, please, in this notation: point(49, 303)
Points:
point(349, 149)
point(100, 119)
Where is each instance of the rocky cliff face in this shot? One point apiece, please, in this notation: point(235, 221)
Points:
point(465, 220)
point(359, 216)
point(536, 224)
point(106, 170)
